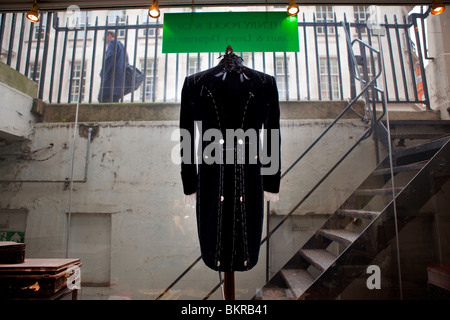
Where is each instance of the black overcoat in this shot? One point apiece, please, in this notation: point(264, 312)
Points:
point(230, 198)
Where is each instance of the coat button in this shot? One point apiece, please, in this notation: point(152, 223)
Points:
point(241, 199)
point(221, 198)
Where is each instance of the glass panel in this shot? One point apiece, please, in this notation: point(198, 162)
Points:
point(364, 194)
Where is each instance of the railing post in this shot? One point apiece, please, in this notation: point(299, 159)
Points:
point(2, 29)
point(19, 49)
point(351, 65)
point(422, 68)
point(267, 242)
point(63, 59)
point(11, 40)
point(155, 63)
point(45, 56)
point(94, 47)
point(38, 46)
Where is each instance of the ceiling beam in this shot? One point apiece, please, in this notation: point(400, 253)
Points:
point(62, 5)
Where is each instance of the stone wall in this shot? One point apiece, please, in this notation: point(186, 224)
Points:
point(128, 220)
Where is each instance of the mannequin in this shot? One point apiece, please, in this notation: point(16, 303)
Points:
point(229, 193)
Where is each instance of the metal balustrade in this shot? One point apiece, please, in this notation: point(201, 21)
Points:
point(66, 59)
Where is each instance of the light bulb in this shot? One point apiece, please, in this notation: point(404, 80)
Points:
point(154, 10)
point(33, 14)
point(293, 8)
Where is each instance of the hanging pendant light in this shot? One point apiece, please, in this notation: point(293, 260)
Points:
point(292, 8)
point(33, 14)
point(438, 7)
point(154, 12)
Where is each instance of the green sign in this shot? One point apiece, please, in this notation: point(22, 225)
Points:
point(15, 236)
point(244, 31)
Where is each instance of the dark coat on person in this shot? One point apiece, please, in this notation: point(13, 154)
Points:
point(230, 197)
point(112, 71)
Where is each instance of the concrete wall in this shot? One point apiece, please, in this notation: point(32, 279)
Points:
point(18, 91)
point(438, 70)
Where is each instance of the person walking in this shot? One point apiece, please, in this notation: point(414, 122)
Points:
point(113, 72)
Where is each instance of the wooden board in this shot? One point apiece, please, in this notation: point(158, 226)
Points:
point(40, 265)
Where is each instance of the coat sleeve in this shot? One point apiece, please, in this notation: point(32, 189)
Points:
point(106, 71)
point(271, 182)
point(187, 141)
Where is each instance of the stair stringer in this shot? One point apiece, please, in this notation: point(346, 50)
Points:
point(359, 255)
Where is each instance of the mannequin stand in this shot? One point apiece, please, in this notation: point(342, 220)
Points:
point(228, 282)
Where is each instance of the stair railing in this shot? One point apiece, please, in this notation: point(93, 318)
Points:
point(374, 119)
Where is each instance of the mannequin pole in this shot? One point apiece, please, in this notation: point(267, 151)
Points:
point(228, 282)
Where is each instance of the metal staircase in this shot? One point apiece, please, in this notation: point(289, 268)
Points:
point(316, 273)
point(372, 216)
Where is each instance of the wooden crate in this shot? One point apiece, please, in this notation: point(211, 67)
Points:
point(11, 252)
point(35, 278)
point(439, 275)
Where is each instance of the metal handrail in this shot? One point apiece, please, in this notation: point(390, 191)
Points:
point(367, 133)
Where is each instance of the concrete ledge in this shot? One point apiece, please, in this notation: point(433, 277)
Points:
point(106, 112)
point(109, 112)
point(414, 115)
point(319, 109)
point(18, 81)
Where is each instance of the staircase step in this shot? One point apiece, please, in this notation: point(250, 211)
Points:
point(416, 135)
point(405, 168)
point(340, 235)
point(431, 145)
point(271, 293)
point(299, 280)
point(374, 192)
point(363, 214)
point(319, 258)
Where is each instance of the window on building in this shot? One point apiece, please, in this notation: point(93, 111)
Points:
point(151, 30)
point(247, 59)
point(324, 14)
point(149, 78)
point(78, 22)
point(194, 65)
point(84, 17)
point(39, 28)
point(325, 91)
point(34, 73)
point(281, 72)
point(361, 15)
point(371, 71)
point(78, 82)
point(119, 17)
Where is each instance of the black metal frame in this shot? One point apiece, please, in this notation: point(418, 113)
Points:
point(376, 96)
